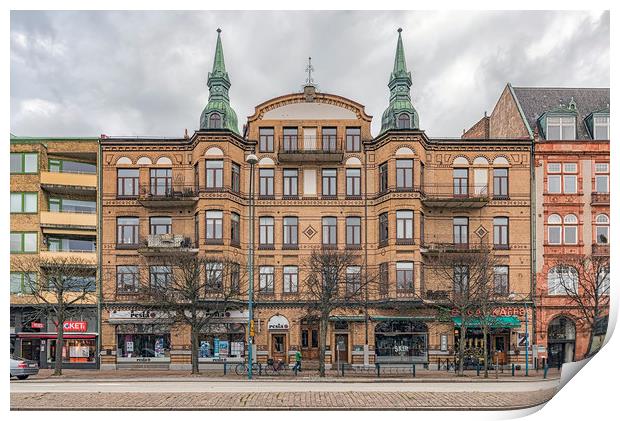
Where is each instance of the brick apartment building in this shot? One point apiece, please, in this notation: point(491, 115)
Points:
point(53, 215)
point(322, 181)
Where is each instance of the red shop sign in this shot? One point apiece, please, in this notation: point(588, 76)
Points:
point(37, 325)
point(75, 326)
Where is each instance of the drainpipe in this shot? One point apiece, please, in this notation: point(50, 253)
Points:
point(99, 246)
point(533, 279)
point(366, 350)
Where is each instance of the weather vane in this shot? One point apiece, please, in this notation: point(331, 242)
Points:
point(309, 69)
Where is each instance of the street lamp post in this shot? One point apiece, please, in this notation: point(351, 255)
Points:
point(527, 336)
point(252, 160)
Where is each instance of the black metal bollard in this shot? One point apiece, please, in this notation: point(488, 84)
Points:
point(513, 369)
point(413, 370)
point(378, 367)
point(260, 369)
point(477, 368)
point(224, 368)
point(559, 365)
point(545, 368)
point(438, 364)
point(447, 365)
point(342, 368)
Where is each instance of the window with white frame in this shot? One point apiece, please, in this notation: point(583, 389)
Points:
point(554, 229)
point(404, 275)
point(570, 229)
point(354, 279)
point(562, 280)
point(404, 225)
point(562, 178)
point(602, 229)
point(213, 224)
point(500, 280)
point(290, 278)
point(265, 231)
point(601, 128)
point(603, 281)
point(601, 177)
point(265, 280)
point(24, 202)
point(569, 171)
point(561, 128)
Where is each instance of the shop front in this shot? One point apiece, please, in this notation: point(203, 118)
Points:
point(278, 328)
point(224, 338)
point(561, 336)
point(401, 341)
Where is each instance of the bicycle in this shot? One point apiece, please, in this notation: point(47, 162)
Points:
point(274, 367)
point(242, 368)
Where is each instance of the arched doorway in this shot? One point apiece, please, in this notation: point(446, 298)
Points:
point(561, 341)
point(401, 341)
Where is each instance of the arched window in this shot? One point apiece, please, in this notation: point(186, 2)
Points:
point(554, 229)
point(123, 160)
point(561, 328)
point(570, 229)
point(404, 121)
point(602, 229)
point(562, 280)
point(215, 121)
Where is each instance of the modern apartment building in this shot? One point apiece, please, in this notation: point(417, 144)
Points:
point(53, 217)
point(322, 182)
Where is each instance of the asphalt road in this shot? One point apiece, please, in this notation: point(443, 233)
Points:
point(273, 386)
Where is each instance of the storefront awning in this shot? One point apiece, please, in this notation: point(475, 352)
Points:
point(66, 335)
point(347, 318)
point(499, 322)
point(412, 318)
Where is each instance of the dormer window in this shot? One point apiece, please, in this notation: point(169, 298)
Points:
point(560, 128)
point(601, 128)
point(404, 121)
point(215, 121)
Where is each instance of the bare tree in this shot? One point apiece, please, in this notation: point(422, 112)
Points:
point(197, 292)
point(335, 279)
point(468, 292)
point(59, 286)
point(584, 280)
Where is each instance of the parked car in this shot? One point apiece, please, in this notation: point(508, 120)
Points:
point(22, 368)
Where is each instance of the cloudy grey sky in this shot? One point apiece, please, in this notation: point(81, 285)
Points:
point(144, 73)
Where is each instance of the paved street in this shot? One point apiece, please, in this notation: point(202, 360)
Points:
point(226, 394)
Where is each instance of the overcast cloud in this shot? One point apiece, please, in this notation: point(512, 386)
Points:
point(144, 73)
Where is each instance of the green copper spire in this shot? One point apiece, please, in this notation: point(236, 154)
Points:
point(400, 113)
point(218, 114)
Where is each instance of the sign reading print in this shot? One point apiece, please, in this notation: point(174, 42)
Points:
point(278, 322)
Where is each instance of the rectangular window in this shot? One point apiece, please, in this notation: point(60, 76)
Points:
point(214, 276)
point(422, 228)
point(127, 279)
point(24, 242)
point(404, 276)
point(82, 244)
point(24, 202)
point(570, 181)
point(384, 229)
point(127, 182)
point(235, 229)
point(265, 182)
point(384, 278)
point(265, 139)
point(560, 128)
point(235, 178)
point(265, 281)
point(329, 182)
point(23, 282)
point(290, 179)
point(404, 225)
point(330, 236)
point(197, 229)
point(63, 165)
point(127, 231)
point(354, 139)
point(354, 230)
point(383, 177)
point(290, 231)
point(197, 177)
point(555, 234)
point(24, 163)
point(290, 278)
point(404, 173)
point(353, 280)
point(601, 128)
point(214, 174)
point(266, 231)
point(461, 279)
point(235, 277)
point(601, 177)
point(289, 138)
point(500, 280)
point(460, 231)
point(59, 204)
point(460, 177)
point(160, 225)
point(570, 234)
point(354, 181)
point(160, 276)
point(214, 225)
point(329, 139)
point(161, 182)
point(500, 183)
point(500, 233)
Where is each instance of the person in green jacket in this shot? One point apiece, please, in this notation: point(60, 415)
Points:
point(297, 361)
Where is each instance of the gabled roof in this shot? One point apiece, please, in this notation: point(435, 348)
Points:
point(536, 101)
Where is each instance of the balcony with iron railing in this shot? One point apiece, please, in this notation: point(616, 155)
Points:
point(166, 244)
point(453, 195)
point(167, 194)
point(311, 149)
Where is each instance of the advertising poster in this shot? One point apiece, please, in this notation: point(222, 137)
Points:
point(216, 347)
point(223, 349)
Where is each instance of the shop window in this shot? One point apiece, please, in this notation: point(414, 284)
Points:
point(143, 345)
point(74, 351)
point(228, 344)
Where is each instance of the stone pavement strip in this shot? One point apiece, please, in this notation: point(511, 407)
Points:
point(280, 400)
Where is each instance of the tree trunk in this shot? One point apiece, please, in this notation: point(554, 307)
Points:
point(194, 346)
point(322, 343)
point(462, 347)
point(485, 332)
point(59, 344)
point(590, 341)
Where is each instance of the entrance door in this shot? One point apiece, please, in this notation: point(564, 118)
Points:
point(499, 347)
point(309, 342)
point(556, 354)
point(31, 349)
point(278, 347)
point(342, 348)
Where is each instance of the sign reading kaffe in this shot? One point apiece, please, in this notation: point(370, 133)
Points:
point(498, 311)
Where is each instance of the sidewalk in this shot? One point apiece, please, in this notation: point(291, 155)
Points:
point(313, 375)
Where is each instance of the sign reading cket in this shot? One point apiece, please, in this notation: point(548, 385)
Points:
point(75, 326)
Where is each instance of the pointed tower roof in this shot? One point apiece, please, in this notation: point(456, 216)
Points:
point(218, 113)
point(400, 113)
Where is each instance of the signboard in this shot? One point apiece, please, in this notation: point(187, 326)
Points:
point(75, 326)
point(443, 342)
point(129, 346)
point(252, 328)
point(522, 339)
point(223, 349)
point(498, 311)
point(278, 322)
point(216, 347)
point(136, 314)
point(37, 325)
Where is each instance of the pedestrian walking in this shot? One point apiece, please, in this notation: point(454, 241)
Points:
point(297, 366)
